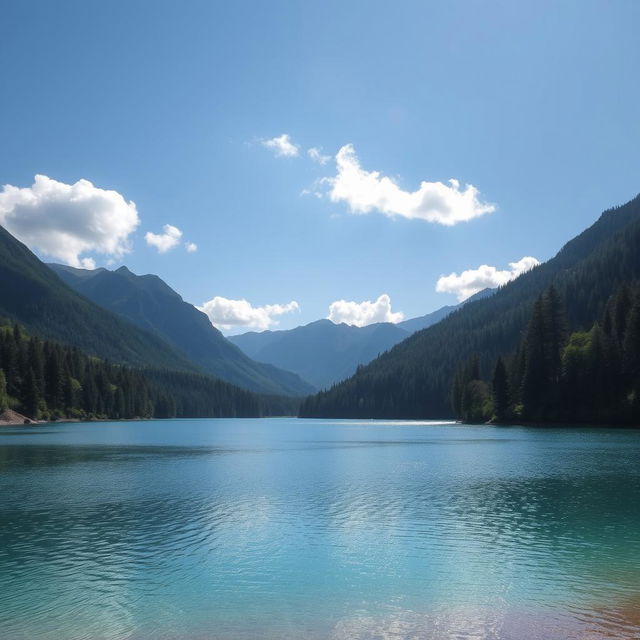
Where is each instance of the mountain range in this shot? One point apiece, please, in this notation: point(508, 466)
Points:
point(138, 320)
point(383, 370)
point(34, 296)
point(323, 352)
point(150, 304)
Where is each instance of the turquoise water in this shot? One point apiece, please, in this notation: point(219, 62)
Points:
point(285, 528)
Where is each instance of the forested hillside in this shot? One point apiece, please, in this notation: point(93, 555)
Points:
point(34, 297)
point(413, 380)
point(45, 380)
point(149, 303)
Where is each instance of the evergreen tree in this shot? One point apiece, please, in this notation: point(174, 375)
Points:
point(631, 342)
point(535, 381)
point(555, 331)
point(4, 399)
point(31, 398)
point(500, 390)
point(54, 383)
point(619, 312)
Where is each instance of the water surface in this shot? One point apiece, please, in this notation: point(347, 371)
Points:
point(285, 528)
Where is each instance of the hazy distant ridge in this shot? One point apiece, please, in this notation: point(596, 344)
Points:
point(325, 353)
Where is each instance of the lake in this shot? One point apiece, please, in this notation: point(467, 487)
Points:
point(285, 528)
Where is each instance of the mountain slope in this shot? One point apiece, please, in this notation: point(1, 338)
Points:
point(151, 304)
point(416, 324)
point(321, 352)
point(413, 379)
point(35, 297)
point(46, 380)
point(325, 353)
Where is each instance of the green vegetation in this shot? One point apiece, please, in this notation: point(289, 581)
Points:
point(415, 378)
point(45, 380)
point(587, 376)
point(4, 398)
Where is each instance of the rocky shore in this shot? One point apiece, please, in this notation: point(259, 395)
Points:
point(9, 418)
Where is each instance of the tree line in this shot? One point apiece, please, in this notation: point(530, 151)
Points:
point(554, 375)
point(45, 380)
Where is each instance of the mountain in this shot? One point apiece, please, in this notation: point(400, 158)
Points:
point(33, 296)
point(416, 324)
point(321, 352)
point(325, 353)
point(149, 303)
point(413, 379)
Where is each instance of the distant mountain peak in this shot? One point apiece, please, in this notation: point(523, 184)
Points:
point(325, 352)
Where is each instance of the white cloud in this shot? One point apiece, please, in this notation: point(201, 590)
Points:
point(366, 191)
point(166, 241)
point(316, 155)
point(364, 313)
point(282, 146)
point(229, 314)
point(67, 220)
point(473, 280)
point(191, 247)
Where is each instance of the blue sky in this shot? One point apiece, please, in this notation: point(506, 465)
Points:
point(169, 104)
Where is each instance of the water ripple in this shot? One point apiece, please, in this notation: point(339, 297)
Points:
point(283, 530)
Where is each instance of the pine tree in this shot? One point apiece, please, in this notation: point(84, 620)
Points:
point(54, 383)
point(4, 399)
point(500, 390)
point(31, 398)
point(555, 333)
point(631, 342)
point(534, 384)
point(619, 312)
point(10, 363)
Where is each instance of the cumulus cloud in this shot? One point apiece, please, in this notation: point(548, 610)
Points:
point(282, 146)
point(165, 241)
point(366, 191)
point(316, 155)
point(473, 280)
point(230, 314)
point(66, 220)
point(191, 247)
point(363, 313)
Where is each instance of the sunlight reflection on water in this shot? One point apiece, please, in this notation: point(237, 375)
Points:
point(282, 529)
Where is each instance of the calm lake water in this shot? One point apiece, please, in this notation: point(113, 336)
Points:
point(284, 528)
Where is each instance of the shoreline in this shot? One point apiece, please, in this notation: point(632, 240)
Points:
point(19, 420)
point(34, 423)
